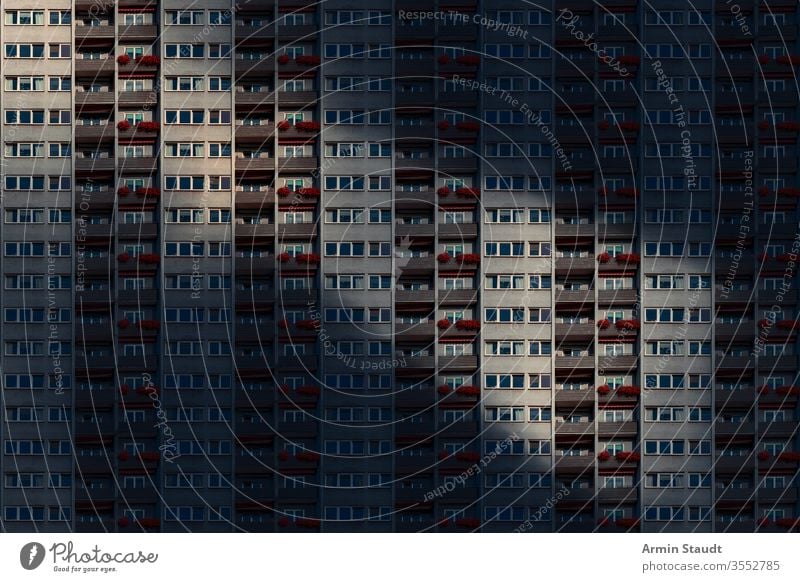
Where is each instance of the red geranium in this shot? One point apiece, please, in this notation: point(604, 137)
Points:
point(443, 257)
point(443, 324)
point(603, 456)
point(123, 59)
point(603, 390)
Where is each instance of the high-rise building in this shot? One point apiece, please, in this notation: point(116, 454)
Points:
point(404, 265)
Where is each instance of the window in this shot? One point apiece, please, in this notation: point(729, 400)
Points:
point(663, 447)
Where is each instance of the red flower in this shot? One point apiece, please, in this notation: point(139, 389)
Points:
point(307, 258)
point(283, 521)
point(123, 455)
point(443, 124)
point(468, 258)
point(623, 456)
point(629, 391)
point(284, 125)
point(308, 324)
point(308, 390)
point(152, 324)
point(307, 60)
point(123, 59)
point(443, 455)
point(123, 389)
point(443, 324)
point(124, 257)
point(789, 192)
point(787, 390)
point(603, 257)
point(468, 60)
point(787, 522)
point(124, 323)
point(603, 456)
point(123, 190)
point(283, 455)
point(763, 521)
point(627, 522)
point(629, 60)
point(307, 126)
point(443, 191)
point(788, 457)
point(124, 125)
point(150, 522)
point(468, 390)
point(763, 389)
point(468, 192)
point(627, 324)
point(284, 191)
point(149, 60)
point(308, 191)
point(123, 522)
point(468, 324)
point(629, 126)
point(468, 522)
point(763, 59)
point(627, 192)
point(284, 257)
point(603, 390)
point(444, 59)
point(789, 60)
point(150, 258)
point(788, 125)
point(763, 124)
point(764, 191)
point(443, 257)
point(309, 456)
point(148, 126)
point(632, 258)
point(763, 455)
point(149, 192)
point(444, 389)
point(283, 59)
point(467, 126)
point(604, 124)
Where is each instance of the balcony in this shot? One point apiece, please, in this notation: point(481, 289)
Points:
point(258, 67)
point(617, 495)
point(458, 296)
point(617, 297)
point(136, 33)
point(573, 231)
point(94, 67)
point(580, 362)
point(139, 165)
point(618, 429)
point(90, 165)
point(137, 231)
point(284, 97)
point(455, 363)
point(573, 429)
point(625, 231)
point(255, 231)
point(255, 133)
point(298, 164)
point(94, 133)
point(93, 33)
point(414, 230)
point(254, 200)
point(575, 265)
point(415, 297)
point(727, 430)
point(735, 464)
point(574, 464)
point(574, 331)
point(411, 200)
point(248, 32)
point(415, 398)
point(133, 98)
point(416, 264)
point(574, 398)
point(734, 398)
point(260, 164)
point(580, 297)
point(297, 31)
point(415, 331)
point(85, 99)
point(296, 231)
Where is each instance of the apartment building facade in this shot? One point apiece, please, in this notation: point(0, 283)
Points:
point(412, 266)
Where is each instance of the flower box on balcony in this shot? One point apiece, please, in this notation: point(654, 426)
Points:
point(149, 258)
point(444, 389)
point(789, 192)
point(123, 59)
point(307, 258)
point(283, 323)
point(124, 125)
point(124, 257)
point(763, 521)
point(283, 125)
point(283, 191)
point(604, 390)
point(149, 522)
point(785, 257)
point(150, 324)
point(307, 126)
point(146, 391)
point(467, 126)
point(763, 455)
point(284, 257)
point(624, 456)
point(443, 455)
point(468, 456)
point(468, 192)
point(632, 258)
point(283, 455)
point(443, 257)
point(123, 522)
point(763, 59)
point(283, 59)
point(443, 59)
point(307, 60)
point(443, 125)
point(307, 523)
point(123, 389)
point(629, 60)
point(629, 126)
point(787, 390)
point(308, 390)
point(149, 61)
point(123, 455)
point(468, 60)
point(627, 324)
point(603, 456)
point(627, 192)
point(604, 324)
point(148, 126)
point(308, 324)
point(468, 258)
point(629, 391)
point(788, 324)
point(309, 192)
point(603, 125)
point(148, 192)
point(468, 522)
point(123, 190)
point(124, 323)
point(603, 258)
point(764, 191)
point(763, 124)
point(283, 521)
point(468, 390)
point(468, 324)
point(788, 126)
point(150, 456)
point(787, 522)
point(443, 324)
point(788, 457)
point(443, 191)
point(789, 60)
point(627, 522)
point(307, 456)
